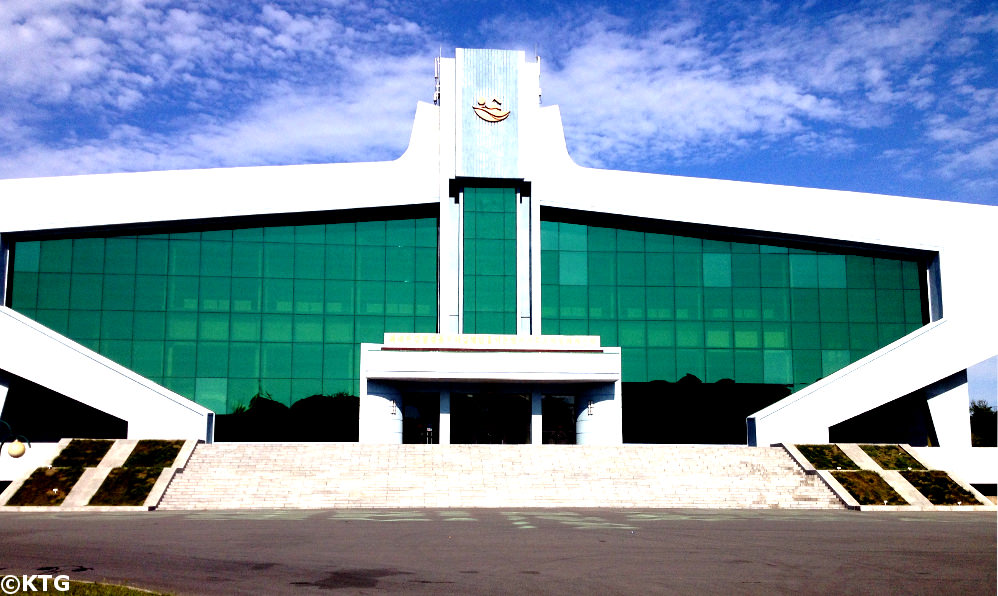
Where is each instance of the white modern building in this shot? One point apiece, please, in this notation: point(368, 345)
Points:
point(485, 288)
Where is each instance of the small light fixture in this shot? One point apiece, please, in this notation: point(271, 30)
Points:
point(16, 449)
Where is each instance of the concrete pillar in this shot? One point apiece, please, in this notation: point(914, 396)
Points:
point(444, 432)
point(380, 413)
point(536, 418)
point(523, 289)
point(598, 416)
point(949, 404)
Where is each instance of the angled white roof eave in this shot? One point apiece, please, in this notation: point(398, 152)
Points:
point(65, 202)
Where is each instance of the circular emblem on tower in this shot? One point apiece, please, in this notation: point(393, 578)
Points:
point(490, 110)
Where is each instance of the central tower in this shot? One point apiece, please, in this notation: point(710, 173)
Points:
point(486, 99)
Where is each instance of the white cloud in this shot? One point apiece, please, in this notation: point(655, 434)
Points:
point(88, 85)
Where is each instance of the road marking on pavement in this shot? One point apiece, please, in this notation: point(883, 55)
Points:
point(380, 516)
point(282, 514)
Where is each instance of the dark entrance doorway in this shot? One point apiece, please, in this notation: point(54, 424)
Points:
point(490, 418)
point(420, 418)
point(558, 415)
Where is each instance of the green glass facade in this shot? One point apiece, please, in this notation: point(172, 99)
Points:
point(218, 315)
point(753, 313)
point(490, 260)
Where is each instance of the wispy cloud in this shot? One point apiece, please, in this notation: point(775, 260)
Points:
point(673, 87)
point(139, 85)
point(114, 85)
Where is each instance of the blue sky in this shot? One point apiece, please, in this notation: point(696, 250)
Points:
point(887, 97)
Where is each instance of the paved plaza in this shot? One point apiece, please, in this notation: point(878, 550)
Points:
point(493, 551)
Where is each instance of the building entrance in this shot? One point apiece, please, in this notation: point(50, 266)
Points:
point(421, 418)
point(490, 418)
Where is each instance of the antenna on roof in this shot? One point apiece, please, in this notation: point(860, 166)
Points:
point(436, 76)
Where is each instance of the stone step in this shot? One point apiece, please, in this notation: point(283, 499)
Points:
point(317, 475)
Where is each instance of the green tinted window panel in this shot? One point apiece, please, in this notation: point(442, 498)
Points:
point(213, 327)
point(803, 271)
point(278, 260)
point(247, 259)
point(54, 290)
point(490, 259)
point(276, 328)
point(56, 256)
point(341, 234)
point(27, 257)
point(718, 335)
point(279, 234)
point(630, 268)
point(184, 309)
point(117, 292)
point(717, 304)
point(84, 324)
point(720, 364)
point(24, 294)
point(660, 303)
point(711, 305)
point(747, 335)
point(717, 270)
point(278, 295)
point(85, 291)
point(690, 362)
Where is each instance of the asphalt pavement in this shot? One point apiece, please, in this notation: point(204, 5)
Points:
point(503, 551)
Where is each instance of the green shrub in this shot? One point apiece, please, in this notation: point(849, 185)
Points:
point(152, 453)
point(82, 453)
point(126, 486)
point(868, 488)
point(46, 487)
point(892, 457)
point(827, 457)
point(939, 488)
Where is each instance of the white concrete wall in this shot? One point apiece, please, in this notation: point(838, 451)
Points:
point(977, 465)
point(40, 355)
point(35, 456)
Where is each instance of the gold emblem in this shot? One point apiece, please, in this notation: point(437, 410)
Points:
point(490, 111)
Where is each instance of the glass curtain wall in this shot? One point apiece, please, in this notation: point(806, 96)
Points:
point(219, 315)
point(752, 313)
point(490, 260)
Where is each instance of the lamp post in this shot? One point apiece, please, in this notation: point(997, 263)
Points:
point(16, 448)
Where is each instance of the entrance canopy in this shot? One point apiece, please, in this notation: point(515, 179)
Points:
point(484, 364)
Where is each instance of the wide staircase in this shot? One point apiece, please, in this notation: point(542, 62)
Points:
point(326, 475)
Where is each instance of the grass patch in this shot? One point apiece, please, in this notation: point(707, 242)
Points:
point(892, 457)
point(126, 486)
point(827, 457)
point(153, 453)
point(939, 488)
point(46, 487)
point(77, 588)
point(868, 488)
point(82, 453)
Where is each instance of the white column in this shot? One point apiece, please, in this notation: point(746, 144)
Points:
point(536, 418)
point(949, 404)
point(380, 417)
point(598, 421)
point(523, 261)
point(444, 432)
